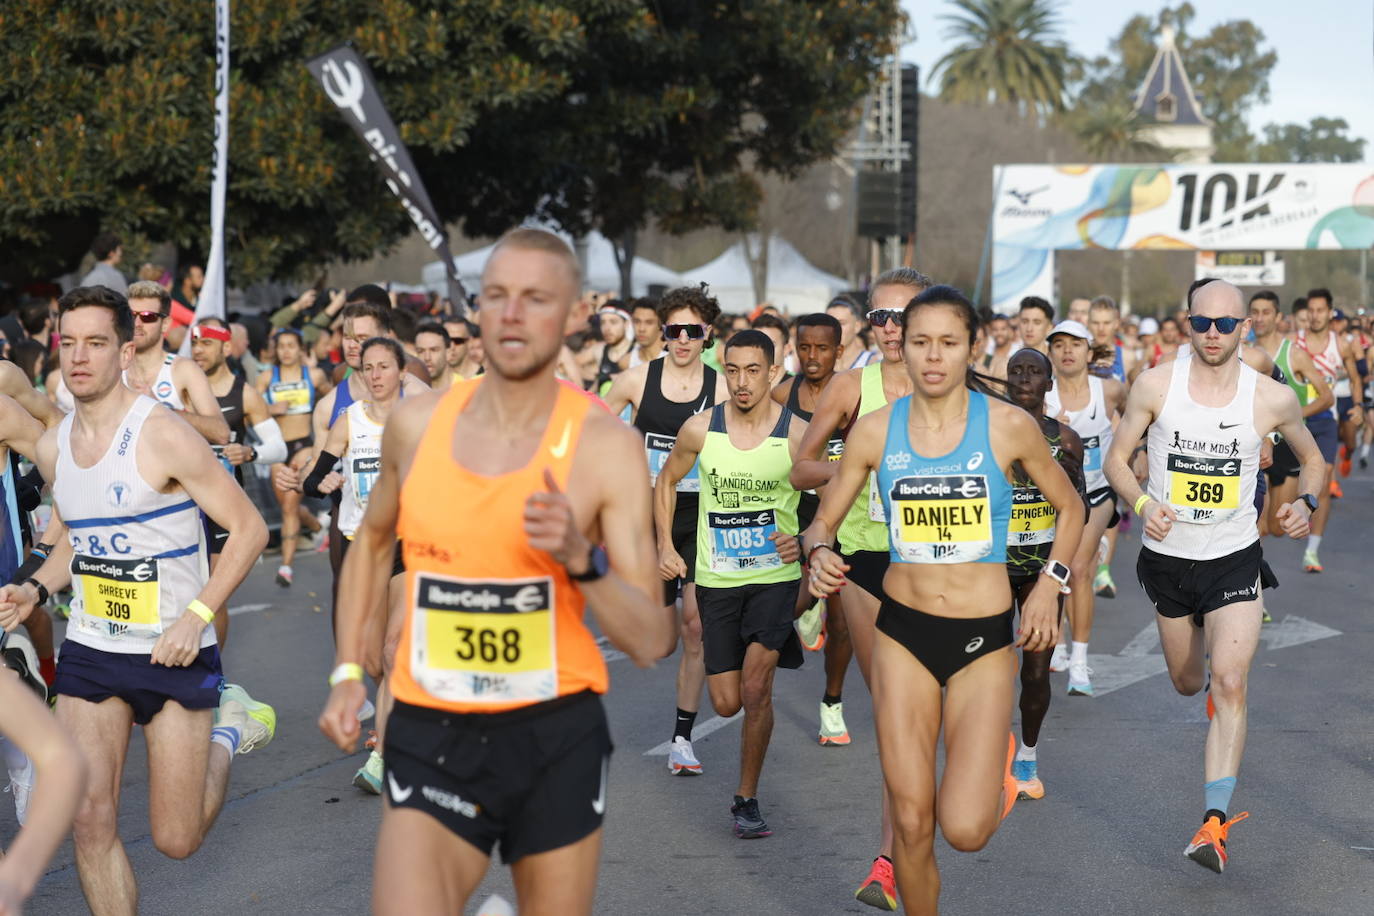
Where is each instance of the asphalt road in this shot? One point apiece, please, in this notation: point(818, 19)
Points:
point(1123, 773)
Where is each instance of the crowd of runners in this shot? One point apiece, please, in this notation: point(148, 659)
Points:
point(904, 482)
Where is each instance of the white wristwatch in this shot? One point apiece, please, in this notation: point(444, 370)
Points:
point(1059, 573)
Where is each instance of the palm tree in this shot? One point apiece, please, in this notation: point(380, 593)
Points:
point(1008, 52)
point(1112, 131)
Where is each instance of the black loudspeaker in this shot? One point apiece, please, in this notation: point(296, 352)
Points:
point(880, 197)
point(911, 122)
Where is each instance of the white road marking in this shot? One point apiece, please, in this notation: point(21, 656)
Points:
point(608, 652)
point(247, 608)
point(1139, 659)
point(699, 732)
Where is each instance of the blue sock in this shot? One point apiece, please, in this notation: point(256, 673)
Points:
point(229, 737)
point(1218, 793)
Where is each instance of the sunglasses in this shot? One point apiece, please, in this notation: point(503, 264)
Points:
point(693, 331)
point(1224, 325)
point(459, 341)
point(149, 317)
point(880, 318)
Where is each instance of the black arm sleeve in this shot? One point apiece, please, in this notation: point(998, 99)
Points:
point(323, 465)
point(29, 491)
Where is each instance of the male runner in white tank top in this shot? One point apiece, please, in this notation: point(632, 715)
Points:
point(172, 380)
point(1200, 562)
point(129, 478)
point(1090, 406)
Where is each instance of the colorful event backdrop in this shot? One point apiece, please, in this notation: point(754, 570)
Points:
point(1041, 209)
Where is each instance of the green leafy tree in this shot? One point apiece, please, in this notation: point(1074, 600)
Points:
point(1320, 140)
point(1008, 52)
point(1111, 130)
point(1229, 69)
point(593, 113)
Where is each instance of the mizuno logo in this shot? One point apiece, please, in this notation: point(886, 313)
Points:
point(599, 803)
point(561, 449)
point(1025, 196)
point(398, 796)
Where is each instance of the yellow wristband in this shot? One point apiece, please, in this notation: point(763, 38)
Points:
point(201, 610)
point(1144, 498)
point(348, 671)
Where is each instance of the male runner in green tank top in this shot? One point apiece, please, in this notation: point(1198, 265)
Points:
point(747, 574)
point(862, 536)
point(1314, 396)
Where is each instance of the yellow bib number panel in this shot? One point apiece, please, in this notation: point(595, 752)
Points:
point(1032, 518)
point(484, 641)
point(941, 519)
point(122, 592)
point(1203, 490)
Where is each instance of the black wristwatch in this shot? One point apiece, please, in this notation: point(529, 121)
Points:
point(40, 588)
point(1310, 501)
point(598, 564)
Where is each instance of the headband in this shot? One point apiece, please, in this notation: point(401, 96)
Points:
point(612, 310)
point(210, 332)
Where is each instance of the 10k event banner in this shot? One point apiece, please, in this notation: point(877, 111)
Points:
point(347, 80)
point(211, 303)
point(1041, 209)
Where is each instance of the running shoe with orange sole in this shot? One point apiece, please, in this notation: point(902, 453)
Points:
point(1208, 847)
point(1336, 491)
point(1009, 788)
point(1310, 563)
point(879, 889)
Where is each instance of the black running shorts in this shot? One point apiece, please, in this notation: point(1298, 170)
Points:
point(685, 543)
point(532, 780)
point(867, 569)
point(1180, 587)
point(1285, 464)
point(732, 618)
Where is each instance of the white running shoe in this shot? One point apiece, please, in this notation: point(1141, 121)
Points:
point(1079, 685)
point(833, 731)
point(809, 628)
point(1059, 661)
point(20, 786)
point(681, 760)
point(256, 722)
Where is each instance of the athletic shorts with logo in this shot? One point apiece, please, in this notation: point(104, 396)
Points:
point(1101, 495)
point(531, 780)
point(732, 618)
point(1180, 587)
point(95, 676)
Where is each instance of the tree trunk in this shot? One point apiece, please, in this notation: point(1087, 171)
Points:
point(624, 250)
point(758, 263)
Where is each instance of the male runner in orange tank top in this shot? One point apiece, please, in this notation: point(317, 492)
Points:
point(498, 734)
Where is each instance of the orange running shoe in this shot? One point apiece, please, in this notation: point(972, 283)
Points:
point(1345, 462)
point(1208, 847)
point(1336, 491)
point(879, 889)
point(1009, 787)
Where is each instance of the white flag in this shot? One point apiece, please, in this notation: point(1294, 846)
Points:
point(212, 294)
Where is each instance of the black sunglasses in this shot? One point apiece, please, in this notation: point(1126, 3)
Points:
point(881, 317)
point(149, 317)
point(693, 331)
point(459, 340)
point(1224, 325)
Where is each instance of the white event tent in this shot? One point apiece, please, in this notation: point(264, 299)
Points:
point(602, 273)
point(795, 286)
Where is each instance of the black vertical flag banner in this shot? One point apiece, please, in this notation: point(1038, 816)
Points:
point(347, 81)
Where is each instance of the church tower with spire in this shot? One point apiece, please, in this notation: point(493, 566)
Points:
point(1169, 111)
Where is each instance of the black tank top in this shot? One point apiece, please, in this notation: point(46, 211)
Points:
point(659, 415)
point(608, 369)
point(231, 408)
point(834, 448)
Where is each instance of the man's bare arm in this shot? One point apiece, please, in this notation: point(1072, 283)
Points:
point(812, 467)
point(202, 409)
point(14, 384)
